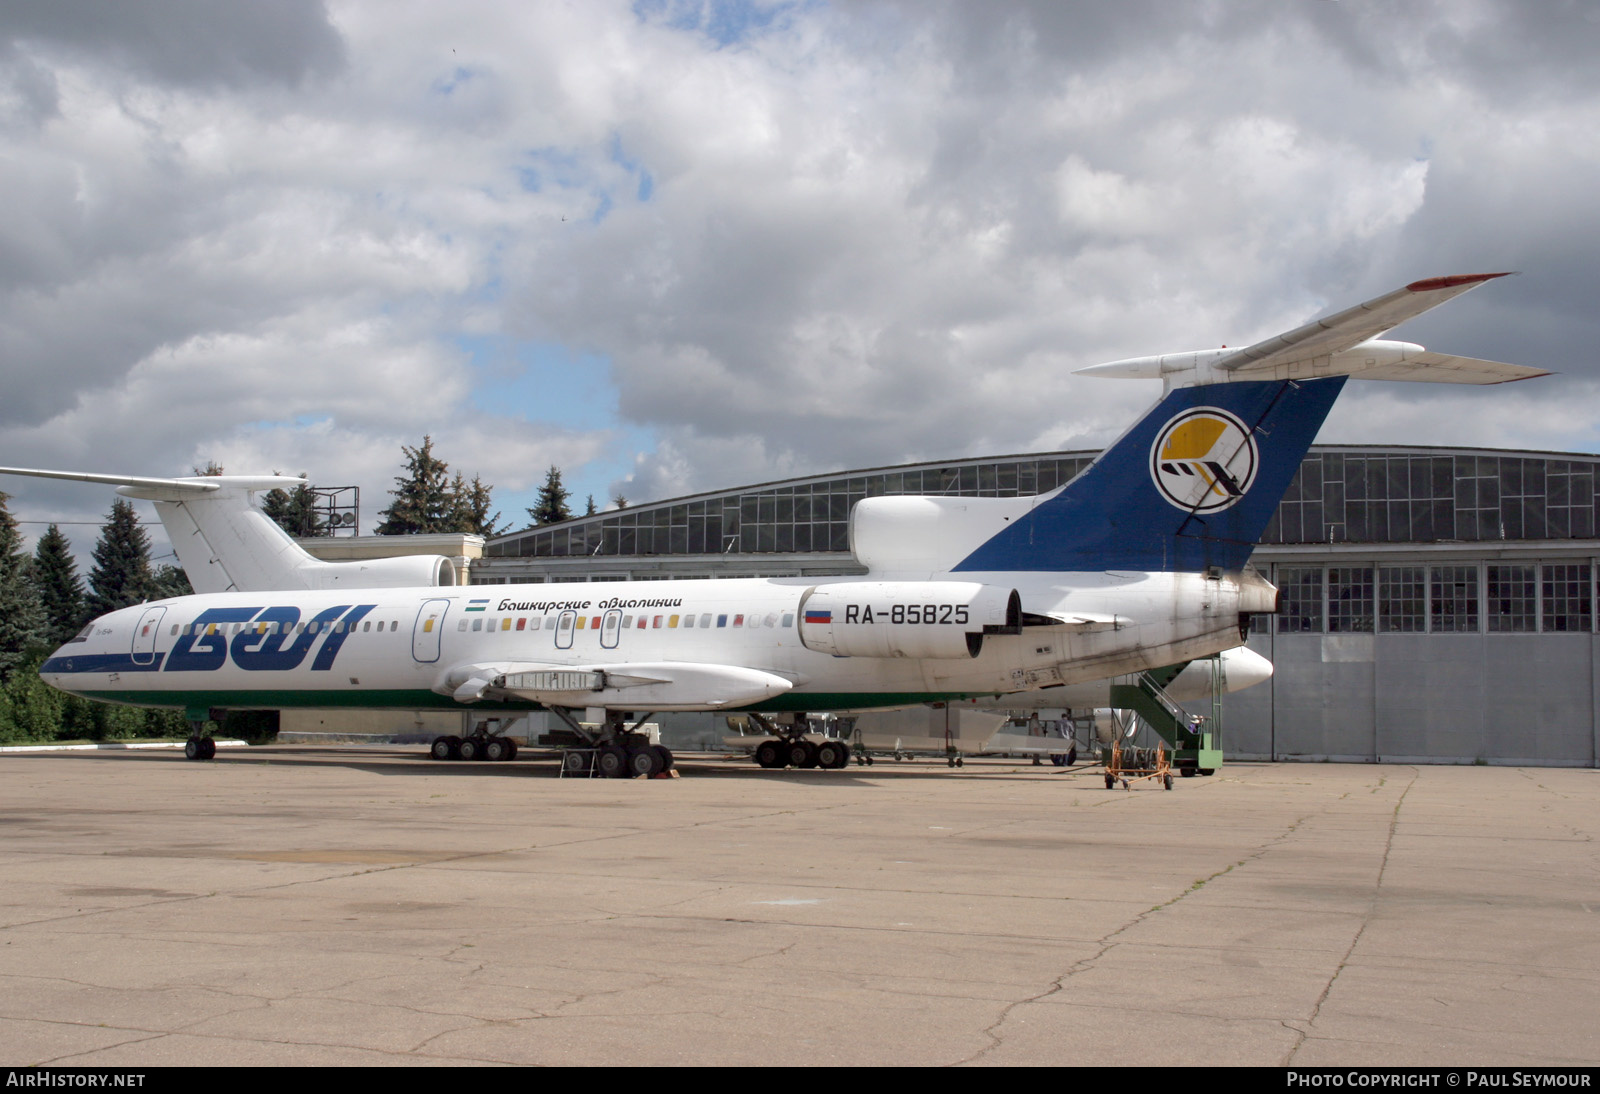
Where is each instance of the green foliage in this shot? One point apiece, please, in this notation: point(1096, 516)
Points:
point(170, 581)
point(295, 511)
point(55, 572)
point(552, 503)
point(23, 625)
point(426, 499)
point(121, 575)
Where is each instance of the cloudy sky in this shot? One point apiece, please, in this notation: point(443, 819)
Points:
point(672, 246)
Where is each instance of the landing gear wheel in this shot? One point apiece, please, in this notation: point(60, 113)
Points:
point(832, 755)
point(802, 754)
point(643, 761)
point(612, 762)
point(208, 748)
point(667, 761)
point(496, 749)
point(441, 749)
point(512, 745)
point(191, 748)
point(960, 762)
point(470, 748)
point(575, 762)
point(769, 754)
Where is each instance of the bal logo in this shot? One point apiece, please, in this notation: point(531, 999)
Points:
point(1204, 460)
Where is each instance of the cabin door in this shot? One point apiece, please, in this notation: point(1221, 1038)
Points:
point(427, 631)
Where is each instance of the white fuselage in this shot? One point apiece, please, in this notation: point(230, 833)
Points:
point(409, 648)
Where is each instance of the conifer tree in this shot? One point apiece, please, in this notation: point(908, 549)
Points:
point(421, 496)
point(55, 571)
point(23, 627)
point(552, 504)
point(121, 574)
point(295, 511)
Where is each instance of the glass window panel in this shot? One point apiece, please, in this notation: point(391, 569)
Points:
point(1350, 601)
point(1568, 603)
point(1301, 607)
point(1401, 599)
point(1511, 603)
point(1453, 599)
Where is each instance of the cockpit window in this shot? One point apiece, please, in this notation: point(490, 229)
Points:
point(83, 635)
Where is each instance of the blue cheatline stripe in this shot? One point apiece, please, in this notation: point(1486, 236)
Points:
point(100, 662)
point(1115, 517)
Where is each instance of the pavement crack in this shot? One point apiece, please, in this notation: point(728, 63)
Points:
point(1366, 919)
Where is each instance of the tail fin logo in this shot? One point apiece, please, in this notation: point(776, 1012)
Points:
point(1204, 460)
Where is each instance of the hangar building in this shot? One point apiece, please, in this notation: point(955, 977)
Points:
point(1438, 603)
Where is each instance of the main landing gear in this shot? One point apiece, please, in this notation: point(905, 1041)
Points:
point(480, 744)
point(791, 748)
point(616, 752)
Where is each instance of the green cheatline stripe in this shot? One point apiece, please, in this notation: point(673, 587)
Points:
point(422, 699)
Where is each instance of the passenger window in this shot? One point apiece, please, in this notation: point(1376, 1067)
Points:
point(788, 620)
point(688, 621)
point(522, 623)
point(738, 620)
point(672, 621)
point(174, 629)
point(477, 624)
point(705, 620)
point(722, 621)
point(657, 623)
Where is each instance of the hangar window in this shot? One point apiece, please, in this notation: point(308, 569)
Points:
point(1512, 607)
point(1301, 611)
point(1453, 599)
point(1402, 599)
point(1568, 603)
point(1350, 599)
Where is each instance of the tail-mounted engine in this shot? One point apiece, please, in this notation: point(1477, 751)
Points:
point(939, 619)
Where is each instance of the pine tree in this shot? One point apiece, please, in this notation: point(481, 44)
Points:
point(589, 509)
point(469, 507)
point(121, 574)
point(552, 503)
point(170, 581)
point(619, 501)
point(295, 511)
point(55, 571)
point(421, 496)
point(24, 630)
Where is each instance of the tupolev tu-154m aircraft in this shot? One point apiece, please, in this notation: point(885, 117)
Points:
point(1139, 562)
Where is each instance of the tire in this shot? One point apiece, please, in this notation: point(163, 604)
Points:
point(801, 754)
point(454, 744)
point(769, 755)
point(1058, 759)
point(191, 748)
point(643, 761)
point(208, 748)
point(512, 745)
point(612, 762)
point(831, 755)
point(440, 749)
point(667, 762)
point(1167, 781)
point(1208, 771)
point(574, 762)
point(496, 750)
point(1072, 755)
point(470, 749)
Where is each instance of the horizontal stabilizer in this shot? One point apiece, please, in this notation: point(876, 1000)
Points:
point(1351, 327)
point(1340, 345)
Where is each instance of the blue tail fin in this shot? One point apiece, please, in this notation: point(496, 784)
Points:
point(1191, 486)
